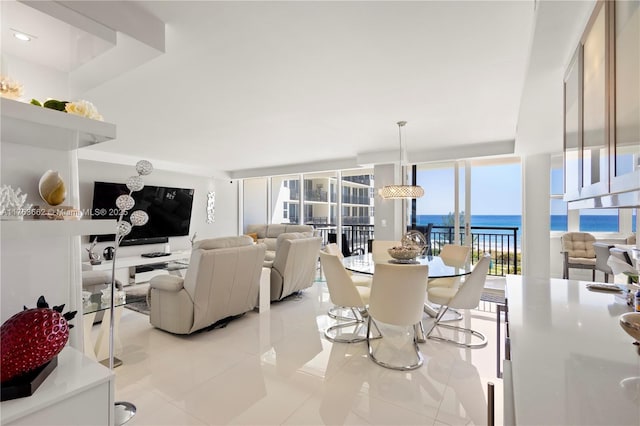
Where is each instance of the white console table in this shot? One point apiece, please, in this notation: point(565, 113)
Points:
point(125, 266)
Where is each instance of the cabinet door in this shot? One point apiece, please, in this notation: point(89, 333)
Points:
point(626, 132)
point(573, 128)
point(595, 160)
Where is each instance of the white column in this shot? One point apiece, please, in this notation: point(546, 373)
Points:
point(338, 208)
point(388, 213)
point(535, 216)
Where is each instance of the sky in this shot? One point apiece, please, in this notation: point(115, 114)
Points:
point(495, 190)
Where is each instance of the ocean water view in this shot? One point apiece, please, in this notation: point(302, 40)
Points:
point(588, 223)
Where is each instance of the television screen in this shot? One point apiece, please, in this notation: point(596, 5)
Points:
point(169, 210)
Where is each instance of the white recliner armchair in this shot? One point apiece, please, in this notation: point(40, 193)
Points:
point(223, 280)
point(294, 266)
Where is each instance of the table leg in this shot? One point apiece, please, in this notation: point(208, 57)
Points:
point(87, 322)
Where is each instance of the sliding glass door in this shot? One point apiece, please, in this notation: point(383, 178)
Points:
point(488, 188)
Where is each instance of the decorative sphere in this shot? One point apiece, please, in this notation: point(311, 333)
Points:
point(416, 239)
point(139, 218)
point(144, 167)
point(124, 228)
point(135, 183)
point(125, 202)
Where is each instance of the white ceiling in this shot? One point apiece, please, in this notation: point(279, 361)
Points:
point(256, 85)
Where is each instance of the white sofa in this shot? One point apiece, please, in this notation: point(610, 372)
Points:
point(223, 280)
point(268, 234)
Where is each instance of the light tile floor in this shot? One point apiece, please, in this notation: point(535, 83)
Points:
point(277, 368)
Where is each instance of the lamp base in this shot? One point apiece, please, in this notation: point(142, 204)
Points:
point(117, 362)
point(124, 411)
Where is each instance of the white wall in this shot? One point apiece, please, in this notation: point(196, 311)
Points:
point(255, 201)
point(226, 205)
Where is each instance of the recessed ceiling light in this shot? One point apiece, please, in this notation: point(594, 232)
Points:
point(22, 36)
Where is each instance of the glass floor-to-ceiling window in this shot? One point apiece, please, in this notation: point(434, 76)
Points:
point(356, 205)
point(285, 199)
point(476, 203)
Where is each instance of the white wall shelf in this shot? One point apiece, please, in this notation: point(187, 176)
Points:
point(23, 123)
point(55, 228)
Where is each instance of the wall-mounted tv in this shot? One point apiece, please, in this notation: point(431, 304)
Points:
point(169, 211)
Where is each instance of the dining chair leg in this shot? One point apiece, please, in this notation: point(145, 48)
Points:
point(418, 330)
point(357, 323)
point(432, 312)
point(436, 323)
point(419, 357)
point(334, 313)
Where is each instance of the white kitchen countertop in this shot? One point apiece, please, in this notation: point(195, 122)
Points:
point(572, 363)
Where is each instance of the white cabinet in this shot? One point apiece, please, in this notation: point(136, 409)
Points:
point(42, 257)
point(78, 392)
point(601, 117)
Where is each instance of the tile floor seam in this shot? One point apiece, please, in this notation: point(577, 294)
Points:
point(443, 393)
point(180, 408)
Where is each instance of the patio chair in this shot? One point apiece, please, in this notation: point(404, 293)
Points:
point(578, 252)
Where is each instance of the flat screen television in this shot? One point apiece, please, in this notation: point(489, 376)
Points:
point(169, 211)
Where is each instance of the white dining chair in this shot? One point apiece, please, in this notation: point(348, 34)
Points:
point(451, 255)
point(338, 312)
point(397, 297)
point(380, 247)
point(344, 293)
point(466, 296)
point(358, 279)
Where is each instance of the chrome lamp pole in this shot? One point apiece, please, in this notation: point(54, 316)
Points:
point(124, 410)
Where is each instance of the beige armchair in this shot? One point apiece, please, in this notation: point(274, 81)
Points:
point(223, 280)
point(294, 266)
point(578, 252)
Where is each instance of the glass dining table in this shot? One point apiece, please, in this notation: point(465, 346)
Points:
point(364, 264)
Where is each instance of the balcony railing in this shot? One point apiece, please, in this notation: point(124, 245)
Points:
point(501, 242)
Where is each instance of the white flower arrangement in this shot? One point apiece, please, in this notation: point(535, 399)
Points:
point(12, 202)
point(84, 109)
point(9, 88)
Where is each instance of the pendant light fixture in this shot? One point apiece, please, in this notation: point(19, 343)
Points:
point(402, 191)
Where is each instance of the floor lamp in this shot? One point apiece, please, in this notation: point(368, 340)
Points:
point(124, 410)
